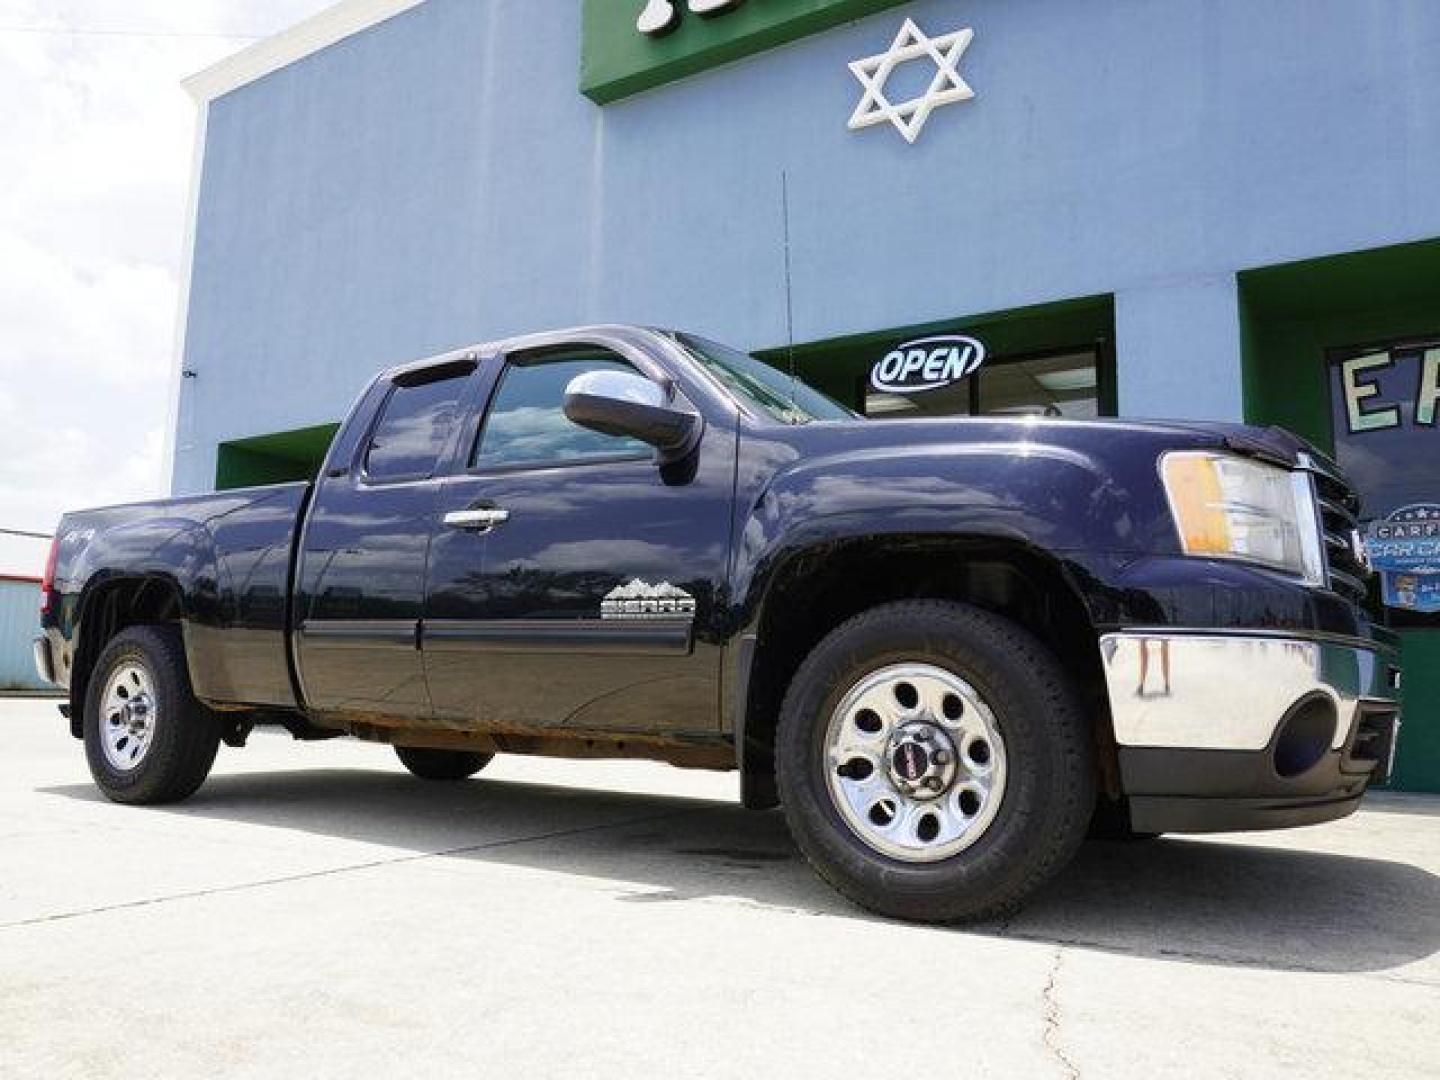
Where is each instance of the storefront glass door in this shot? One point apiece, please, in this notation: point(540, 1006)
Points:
point(1383, 407)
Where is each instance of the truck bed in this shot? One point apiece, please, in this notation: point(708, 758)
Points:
point(228, 556)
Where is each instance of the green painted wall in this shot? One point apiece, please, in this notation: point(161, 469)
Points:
point(273, 459)
point(616, 60)
point(1417, 765)
point(1290, 316)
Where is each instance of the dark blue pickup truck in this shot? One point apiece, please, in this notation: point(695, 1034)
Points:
point(948, 648)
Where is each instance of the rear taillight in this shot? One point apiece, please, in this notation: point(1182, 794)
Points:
point(47, 583)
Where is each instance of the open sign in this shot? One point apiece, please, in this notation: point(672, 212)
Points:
point(927, 364)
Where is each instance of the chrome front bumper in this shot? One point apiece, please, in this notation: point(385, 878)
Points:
point(1203, 690)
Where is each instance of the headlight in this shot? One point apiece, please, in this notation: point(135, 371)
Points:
point(1229, 507)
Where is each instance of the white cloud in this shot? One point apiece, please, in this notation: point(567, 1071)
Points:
point(95, 154)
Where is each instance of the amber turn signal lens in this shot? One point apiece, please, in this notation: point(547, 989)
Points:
point(1197, 499)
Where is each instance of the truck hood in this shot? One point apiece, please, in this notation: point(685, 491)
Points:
point(1268, 442)
point(1273, 444)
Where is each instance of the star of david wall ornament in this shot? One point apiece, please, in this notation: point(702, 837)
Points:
point(946, 88)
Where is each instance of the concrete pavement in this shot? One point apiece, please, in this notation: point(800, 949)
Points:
point(316, 911)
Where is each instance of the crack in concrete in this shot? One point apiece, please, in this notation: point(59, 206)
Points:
point(1050, 996)
point(398, 860)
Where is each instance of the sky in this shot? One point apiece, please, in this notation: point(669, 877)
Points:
point(95, 158)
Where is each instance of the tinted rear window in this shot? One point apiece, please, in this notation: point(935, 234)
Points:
point(413, 430)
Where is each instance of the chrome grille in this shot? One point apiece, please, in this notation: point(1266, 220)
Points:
point(1339, 516)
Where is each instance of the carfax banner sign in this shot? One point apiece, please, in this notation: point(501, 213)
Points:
point(1405, 549)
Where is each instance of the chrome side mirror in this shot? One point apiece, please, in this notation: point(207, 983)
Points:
point(621, 403)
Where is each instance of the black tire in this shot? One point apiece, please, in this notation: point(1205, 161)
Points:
point(183, 735)
point(442, 764)
point(1049, 792)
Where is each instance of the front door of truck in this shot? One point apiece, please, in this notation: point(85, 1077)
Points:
point(573, 582)
point(361, 581)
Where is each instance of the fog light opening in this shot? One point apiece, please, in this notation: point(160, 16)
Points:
point(1305, 736)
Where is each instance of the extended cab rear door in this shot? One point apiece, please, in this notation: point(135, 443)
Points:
point(573, 581)
point(361, 581)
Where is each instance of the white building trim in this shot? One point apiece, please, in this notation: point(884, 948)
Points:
point(173, 446)
point(343, 20)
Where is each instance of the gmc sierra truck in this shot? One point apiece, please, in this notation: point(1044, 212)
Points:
point(947, 648)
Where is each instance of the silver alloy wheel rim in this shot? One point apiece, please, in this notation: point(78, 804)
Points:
point(127, 716)
point(915, 763)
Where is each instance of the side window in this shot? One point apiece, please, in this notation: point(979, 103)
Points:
point(526, 424)
point(414, 427)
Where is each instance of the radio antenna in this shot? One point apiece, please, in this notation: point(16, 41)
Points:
point(789, 297)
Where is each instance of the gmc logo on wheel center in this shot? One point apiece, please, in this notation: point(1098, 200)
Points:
point(927, 364)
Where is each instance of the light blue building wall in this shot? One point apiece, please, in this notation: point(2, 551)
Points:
point(19, 625)
point(439, 179)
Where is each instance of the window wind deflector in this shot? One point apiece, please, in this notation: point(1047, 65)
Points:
point(447, 369)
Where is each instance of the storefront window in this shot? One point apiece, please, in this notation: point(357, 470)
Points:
point(952, 400)
point(1057, 385)
point(1065, 385)
point(1383, 407)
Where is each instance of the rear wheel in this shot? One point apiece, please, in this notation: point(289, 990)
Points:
point(147, 738)
point(934, 762)
point(442, 764)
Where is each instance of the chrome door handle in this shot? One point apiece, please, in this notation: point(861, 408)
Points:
point(482, 520)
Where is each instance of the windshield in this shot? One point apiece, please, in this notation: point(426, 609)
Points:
point(769, 389)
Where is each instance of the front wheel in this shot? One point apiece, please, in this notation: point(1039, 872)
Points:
point(147, 739)
point(934, 762)
point(442, 764)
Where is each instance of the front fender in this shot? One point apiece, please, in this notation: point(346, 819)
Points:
point(1050, 498)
